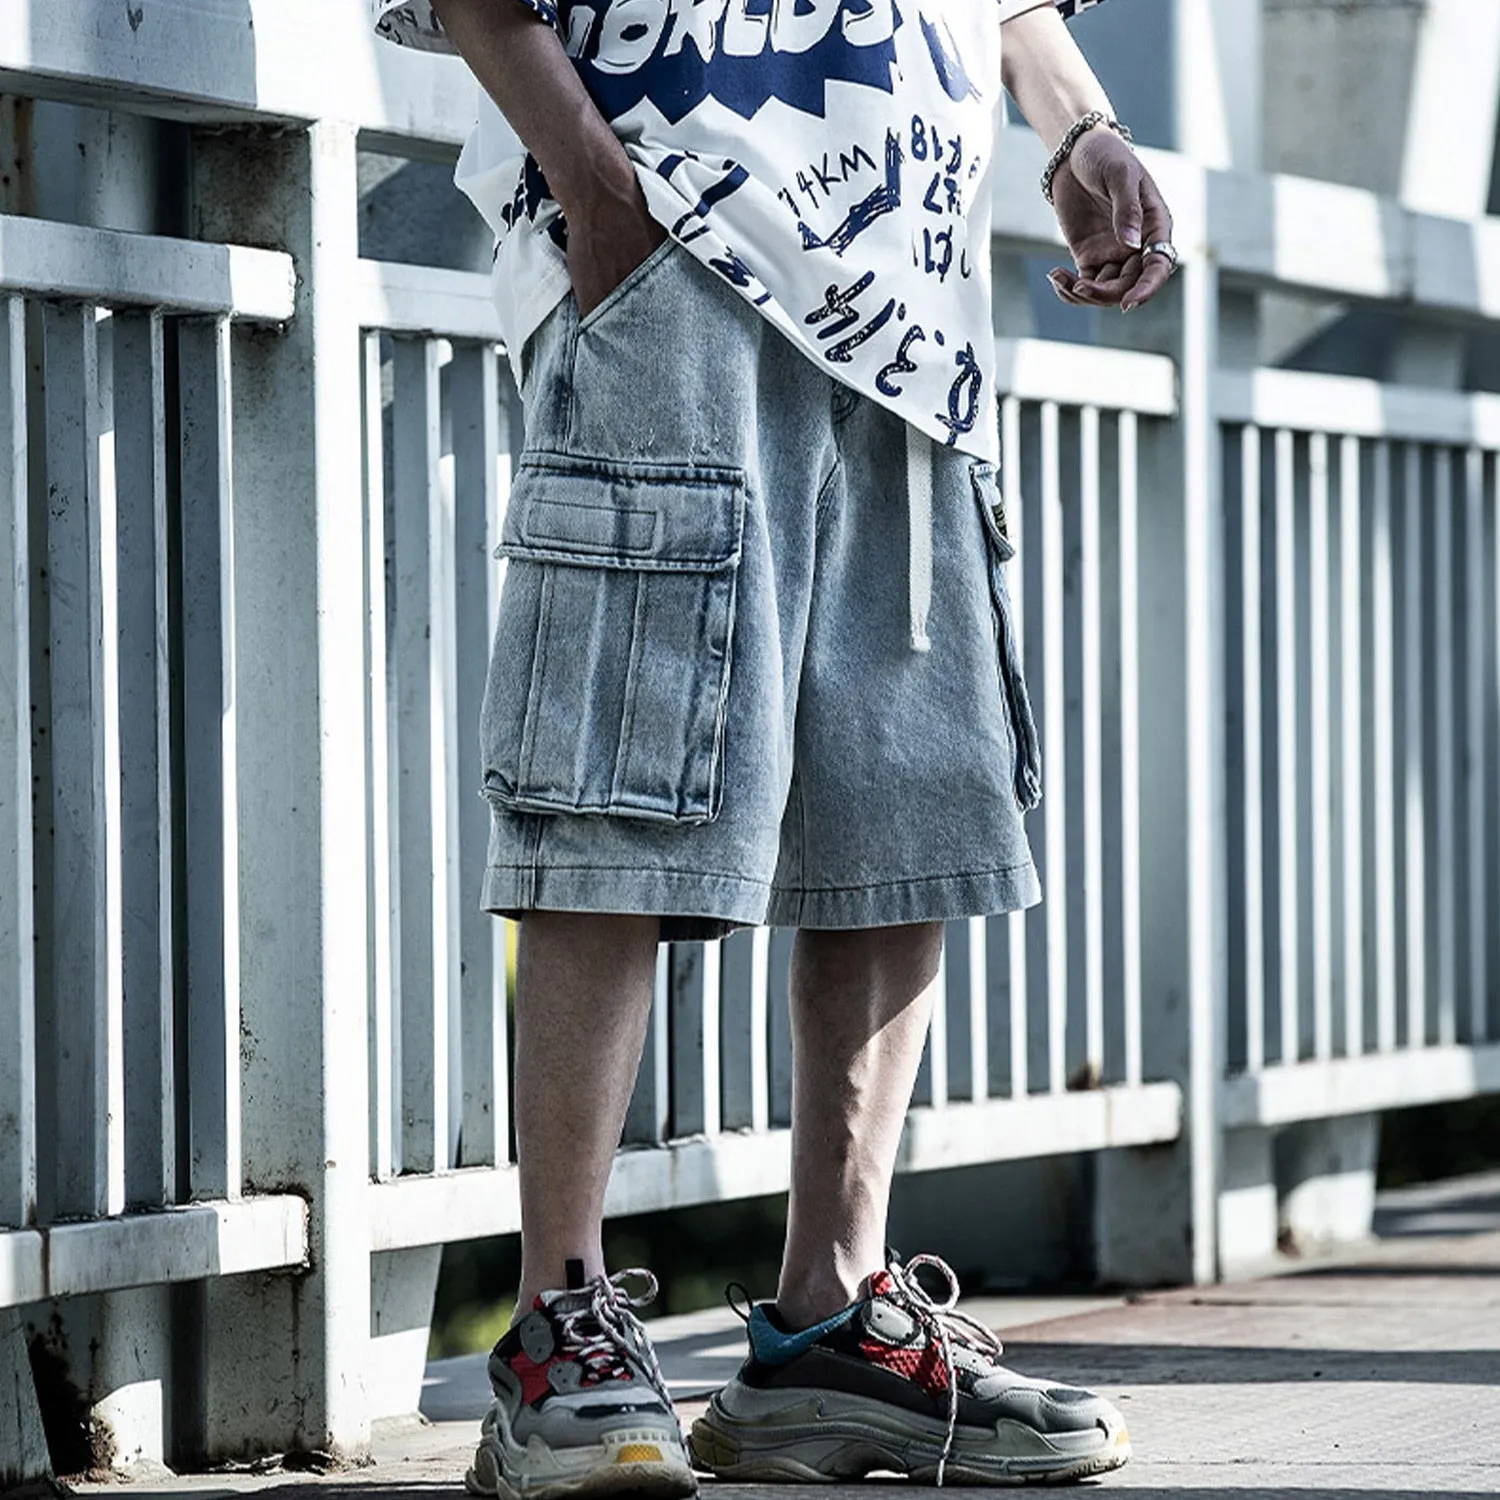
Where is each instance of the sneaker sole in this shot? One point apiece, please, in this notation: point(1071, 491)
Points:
point(847, 1450)
point(596, 1472)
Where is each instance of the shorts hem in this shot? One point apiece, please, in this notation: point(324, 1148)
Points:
point(898, 903)
point(693, 905)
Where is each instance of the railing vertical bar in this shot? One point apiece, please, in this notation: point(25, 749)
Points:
point(210, 757)
point(448, 787)
point(734, 1032)
point(648, 1118)
point(713, 1096)
point(1351, 740)
point(1384, 810)
point(1288, 674)
point(474, 385)
point(1092, 693)
point(1111, 873)
point(1414, 706)
point(760, 1029)
point(18, 1097)
point(140, 455)
point(109, 572)
point(421, 994)
point(1484, 809)
point(82, 964)
point(779, 1029)
point(978, 1009)
point(1130, 743)
point(955, 1000)
point(936, 1062)
point(1018, 924)
point(379, 732)
point(690, 1060)
point(1252, 749)
point(1491, 699)
point(1320, 730)
point(1052, 617)
point(1476, 809)
point(1439, 665)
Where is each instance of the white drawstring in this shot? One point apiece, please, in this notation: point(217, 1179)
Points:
point(919, 467)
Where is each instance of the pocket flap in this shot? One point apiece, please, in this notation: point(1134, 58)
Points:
point(653, 517)
point(986, 483)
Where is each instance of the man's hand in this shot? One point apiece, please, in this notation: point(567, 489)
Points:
point(520, 62)
point(610, 233)
point(1109, 207)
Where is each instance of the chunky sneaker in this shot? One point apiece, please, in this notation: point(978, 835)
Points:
point(580, 1404)
point(899, 1382)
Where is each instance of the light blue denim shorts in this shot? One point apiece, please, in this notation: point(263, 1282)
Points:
point(703, 701)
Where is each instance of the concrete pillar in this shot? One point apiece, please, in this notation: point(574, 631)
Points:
point(1156, 1208)
point(1247, 1203)
point(23, 1443)
point(285, 1356)
point(1325, 1179)
point(1007, 1224)
point(403, 1284)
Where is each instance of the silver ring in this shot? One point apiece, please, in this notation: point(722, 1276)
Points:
point(1165, 248)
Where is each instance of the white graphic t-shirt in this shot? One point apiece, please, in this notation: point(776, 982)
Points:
point(828, 158)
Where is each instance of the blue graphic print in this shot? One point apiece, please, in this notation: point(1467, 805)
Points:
point(741, 53)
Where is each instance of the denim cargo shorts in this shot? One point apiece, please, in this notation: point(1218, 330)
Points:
point(703, 701)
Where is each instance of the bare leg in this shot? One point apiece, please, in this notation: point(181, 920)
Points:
point(583, 993)
point(860, 1005)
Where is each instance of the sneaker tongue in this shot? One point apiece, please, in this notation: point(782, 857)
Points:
point(879, 1284)
point(562, 1302)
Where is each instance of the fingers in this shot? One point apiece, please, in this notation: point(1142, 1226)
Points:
point(1156, 270)
point(1066, 284)
point(1157, 274)
point(1123, 178)
point(1137, 278)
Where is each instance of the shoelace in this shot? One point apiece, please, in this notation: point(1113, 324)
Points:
point(935, 1317)
point(618, 1336)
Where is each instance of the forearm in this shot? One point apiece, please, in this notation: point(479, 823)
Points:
point(1047, 76)
point(521, 65)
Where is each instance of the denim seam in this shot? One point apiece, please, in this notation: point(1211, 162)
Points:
point(823, 505)
point(880, 885)
point(745, 880)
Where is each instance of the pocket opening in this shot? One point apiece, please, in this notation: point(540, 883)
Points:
point(1025, 744)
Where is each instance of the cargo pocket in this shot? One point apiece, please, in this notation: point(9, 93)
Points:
point(1023, 736)
point(610, 672)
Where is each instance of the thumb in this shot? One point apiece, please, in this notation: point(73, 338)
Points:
point(1125, 204)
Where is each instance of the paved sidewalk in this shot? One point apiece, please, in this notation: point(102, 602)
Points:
point(1374, 1376)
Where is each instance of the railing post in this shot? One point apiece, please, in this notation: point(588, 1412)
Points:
point(285, 1357)
point(1155, 1207)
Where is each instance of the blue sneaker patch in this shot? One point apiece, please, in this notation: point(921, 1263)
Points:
point(771, 1346)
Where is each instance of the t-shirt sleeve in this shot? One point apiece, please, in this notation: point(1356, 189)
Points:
point(414, 23)
point(1067, 9)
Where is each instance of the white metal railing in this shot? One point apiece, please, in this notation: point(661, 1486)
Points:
point(248, 510)
point(98, 1116)
point(1364, 686)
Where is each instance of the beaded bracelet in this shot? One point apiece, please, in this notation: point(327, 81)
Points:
point(1075, 133)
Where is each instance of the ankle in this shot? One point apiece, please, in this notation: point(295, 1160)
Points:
point(552, 1274)
point(808, 1300)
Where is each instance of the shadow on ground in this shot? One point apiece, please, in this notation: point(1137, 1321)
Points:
point(1109, 1365)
